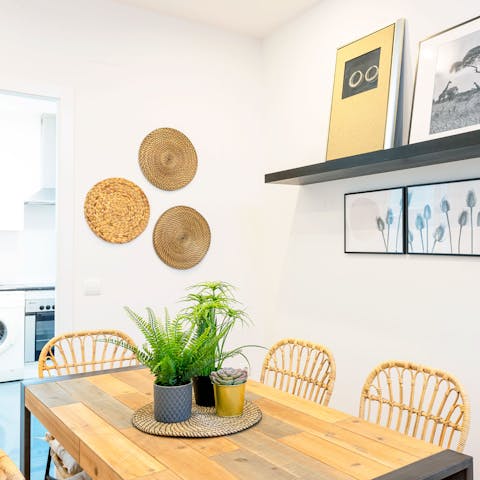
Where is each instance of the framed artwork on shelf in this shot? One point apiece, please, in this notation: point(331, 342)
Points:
point(446, 98)
point(444, 218)
point(365, 93)
point(374, 221)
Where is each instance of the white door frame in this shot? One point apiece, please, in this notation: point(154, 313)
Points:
point(65, 208)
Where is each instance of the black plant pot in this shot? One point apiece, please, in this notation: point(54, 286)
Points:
point(172, 404)
point(203, 388)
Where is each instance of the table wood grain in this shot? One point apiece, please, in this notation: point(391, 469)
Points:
point(296, 439)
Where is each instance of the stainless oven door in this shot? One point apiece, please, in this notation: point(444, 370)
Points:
point(44, 330)
point(39, 329)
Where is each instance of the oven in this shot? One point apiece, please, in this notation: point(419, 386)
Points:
point(39, 321)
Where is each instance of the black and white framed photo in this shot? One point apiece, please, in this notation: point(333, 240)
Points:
point(444, 218)
point(447, 85)
point(374, 221)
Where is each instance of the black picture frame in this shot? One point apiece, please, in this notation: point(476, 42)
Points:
point(447, 204)
point(424, 99)
point(383, 243)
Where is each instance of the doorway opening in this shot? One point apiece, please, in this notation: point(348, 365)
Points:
point(28, 233)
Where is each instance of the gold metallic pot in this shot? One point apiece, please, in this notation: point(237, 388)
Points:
point(229, 399)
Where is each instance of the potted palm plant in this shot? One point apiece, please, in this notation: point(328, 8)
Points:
point(174, 352)
point(212, 308)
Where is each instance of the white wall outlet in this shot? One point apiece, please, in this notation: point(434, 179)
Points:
point(92, 286)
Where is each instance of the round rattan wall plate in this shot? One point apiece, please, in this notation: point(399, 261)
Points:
point(181, 237)
point(168, 159)
point(203, 422)
point(116, 210)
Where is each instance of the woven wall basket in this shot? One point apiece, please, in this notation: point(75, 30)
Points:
point(167, 159)
point(116, 210)
point(181, 237)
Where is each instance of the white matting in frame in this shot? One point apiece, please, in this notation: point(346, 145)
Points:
point(374, 221)
point(447, 84)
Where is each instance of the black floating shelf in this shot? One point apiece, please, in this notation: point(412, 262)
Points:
point(422, 154)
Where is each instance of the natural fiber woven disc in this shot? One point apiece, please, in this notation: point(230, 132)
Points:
point(181, 237)
point(116, 210)
point(203, 422)
point(168, 159)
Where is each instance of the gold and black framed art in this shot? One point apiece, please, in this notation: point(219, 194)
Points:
point(365, 93)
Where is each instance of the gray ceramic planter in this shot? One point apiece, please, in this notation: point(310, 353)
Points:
point(172, 404)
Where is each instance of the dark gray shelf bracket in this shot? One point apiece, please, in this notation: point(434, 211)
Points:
point(432, 152)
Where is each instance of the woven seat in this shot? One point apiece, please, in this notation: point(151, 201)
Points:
point(80, 352)
point(417, 401)
point(8, 470)
point(301, 368)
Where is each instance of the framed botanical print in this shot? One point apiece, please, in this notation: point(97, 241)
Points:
point(374, 221)
point(447, 85)
point(365, 93)
point(444, 218)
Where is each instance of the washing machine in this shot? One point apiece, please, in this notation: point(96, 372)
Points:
point(12, 313)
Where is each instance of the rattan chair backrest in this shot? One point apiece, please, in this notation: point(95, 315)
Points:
point(417, 401)
point(301, 368)
point(85, 351)
point(8, 469)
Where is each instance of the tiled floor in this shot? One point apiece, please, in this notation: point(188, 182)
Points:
point(10, 427)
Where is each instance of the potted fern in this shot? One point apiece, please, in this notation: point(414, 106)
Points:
point(213, 311)
point(174, 352)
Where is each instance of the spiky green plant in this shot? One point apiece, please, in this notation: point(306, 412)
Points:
point(213, 308)
point(173, 351)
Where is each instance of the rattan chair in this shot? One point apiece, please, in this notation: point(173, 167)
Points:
point(80, 352)
point(417, 401)
point(8, 470)
point(301, 368)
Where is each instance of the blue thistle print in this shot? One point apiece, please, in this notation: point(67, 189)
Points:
point(445, 208)
point(427, 213)
point(462, 221)
point(410, 241)
point(438, 235)
point(471, 202)
point(381, 228)
point(389, 220)
point(420, 224)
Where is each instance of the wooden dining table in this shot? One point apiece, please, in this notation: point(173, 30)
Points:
point(90, 414)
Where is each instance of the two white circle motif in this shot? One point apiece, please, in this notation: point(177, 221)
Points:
point(357, 76)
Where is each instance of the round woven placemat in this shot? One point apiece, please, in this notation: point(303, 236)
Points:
point(168, 159)
point(181, 237)
point(203, 422)
point(116, 210)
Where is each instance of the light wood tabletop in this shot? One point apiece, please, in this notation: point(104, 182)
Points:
point(296, 439)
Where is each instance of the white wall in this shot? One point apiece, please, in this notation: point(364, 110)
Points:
point(366, 308)
point(132, 71)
